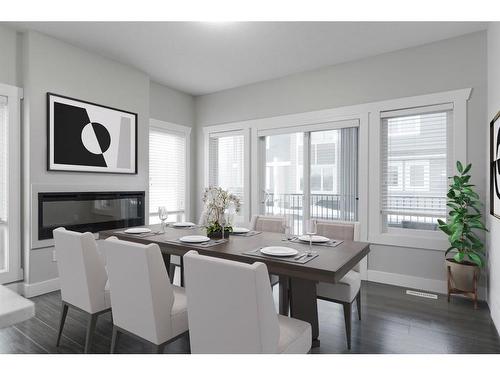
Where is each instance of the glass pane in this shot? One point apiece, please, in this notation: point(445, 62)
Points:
point(334, 171)
point(3, 181)
point(226, 165)
point(167, 174)
point(284, 170)
point(414, 170)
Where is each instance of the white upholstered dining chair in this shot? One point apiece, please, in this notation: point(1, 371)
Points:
point(145, 304)
point(82, 277)
point(267, 223)
point(348, 288)
point(231, 310)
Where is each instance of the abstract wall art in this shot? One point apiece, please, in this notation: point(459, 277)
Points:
point(495, 166)
point(88, 137)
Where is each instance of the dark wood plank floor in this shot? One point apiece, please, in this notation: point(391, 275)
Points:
point(393, 322)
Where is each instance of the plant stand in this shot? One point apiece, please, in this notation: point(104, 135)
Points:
point(467, 293)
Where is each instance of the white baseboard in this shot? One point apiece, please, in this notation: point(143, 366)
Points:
point(414, 282)
point(42, 287)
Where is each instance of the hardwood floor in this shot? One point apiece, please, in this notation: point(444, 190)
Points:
point(393, 322)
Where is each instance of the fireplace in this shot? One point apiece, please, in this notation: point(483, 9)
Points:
point(89, 211)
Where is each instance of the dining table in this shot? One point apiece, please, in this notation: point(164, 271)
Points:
point(297, 279)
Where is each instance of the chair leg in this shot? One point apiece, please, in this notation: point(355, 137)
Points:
point(114, 339)
point(358, 304)
point(90, 332)
point(347, 318)
point(64, 312)
point(182, 272)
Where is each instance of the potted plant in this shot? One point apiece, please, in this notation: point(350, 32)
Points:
point(463, 223)
point(219, 207)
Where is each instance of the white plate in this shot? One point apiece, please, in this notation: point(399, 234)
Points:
point(314, 238)
point(238, 230)
point(183, 224)
point(279, 251)
point(194, 239)
point(137, 230)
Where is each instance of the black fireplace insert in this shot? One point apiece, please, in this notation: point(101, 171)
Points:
point(89, 211)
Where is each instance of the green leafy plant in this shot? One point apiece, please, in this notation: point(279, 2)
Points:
point(464, 219)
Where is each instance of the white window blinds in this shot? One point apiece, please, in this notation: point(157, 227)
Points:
point(3, 157)
point(226, 163)
point(167, 173)
point(415, 146)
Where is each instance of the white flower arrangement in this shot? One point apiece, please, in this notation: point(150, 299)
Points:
point(219, 206)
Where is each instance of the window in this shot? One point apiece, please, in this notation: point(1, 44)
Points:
point(3, 161)
point(10, 182)
point(415, 155)
point(168, 172)
point(226, 154)
point(3, 180)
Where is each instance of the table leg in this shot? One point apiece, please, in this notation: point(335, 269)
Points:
point(284, 295)
point(166, 260)
point(304, 305)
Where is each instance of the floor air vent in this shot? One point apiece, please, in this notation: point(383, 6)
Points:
point(421, 294)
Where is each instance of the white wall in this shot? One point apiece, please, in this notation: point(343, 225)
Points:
point(493, 238)
point(451, 64)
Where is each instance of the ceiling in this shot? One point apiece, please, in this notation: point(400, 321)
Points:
point(204, 57)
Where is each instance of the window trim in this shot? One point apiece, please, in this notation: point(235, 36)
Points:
point(420, 239)
point(14, 270)
point(175, 129)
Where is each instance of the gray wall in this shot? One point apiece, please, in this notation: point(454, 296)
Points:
point(10, 72)
point(50, 65)
point(451, 64)
point(493, 238)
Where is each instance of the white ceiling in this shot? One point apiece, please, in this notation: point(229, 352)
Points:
point(205, 57)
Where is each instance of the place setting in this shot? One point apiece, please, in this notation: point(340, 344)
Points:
point(244, 232)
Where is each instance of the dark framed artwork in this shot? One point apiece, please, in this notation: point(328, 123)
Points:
point(88, 137)
point(495, 166)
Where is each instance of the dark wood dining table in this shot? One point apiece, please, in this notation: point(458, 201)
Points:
point(297, 282)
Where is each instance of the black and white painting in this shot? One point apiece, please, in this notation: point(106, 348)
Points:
point(495, 166)
point(88, 137)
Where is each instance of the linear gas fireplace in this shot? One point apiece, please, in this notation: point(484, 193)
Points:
point(89, 212)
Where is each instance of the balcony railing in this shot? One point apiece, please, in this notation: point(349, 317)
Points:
point(322, 206)
point(415, 212)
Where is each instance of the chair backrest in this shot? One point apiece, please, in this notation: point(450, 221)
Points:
point(230, 306)
point(82, 274)
point(267, 223)
point(141, 294)
point(340, 230)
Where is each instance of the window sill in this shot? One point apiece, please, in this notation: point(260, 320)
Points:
point(435, 241)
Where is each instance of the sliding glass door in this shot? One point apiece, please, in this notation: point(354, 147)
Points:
point(311, 173)
point(284, 181)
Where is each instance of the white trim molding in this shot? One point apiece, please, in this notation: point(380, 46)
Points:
point(432, 240)
point(12, 226)
point(41, 287)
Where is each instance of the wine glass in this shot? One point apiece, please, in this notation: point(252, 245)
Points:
point(311, 230)
point(163, 215)
point(286, 226)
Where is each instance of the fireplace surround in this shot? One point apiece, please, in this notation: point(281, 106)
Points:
point(89, 211)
